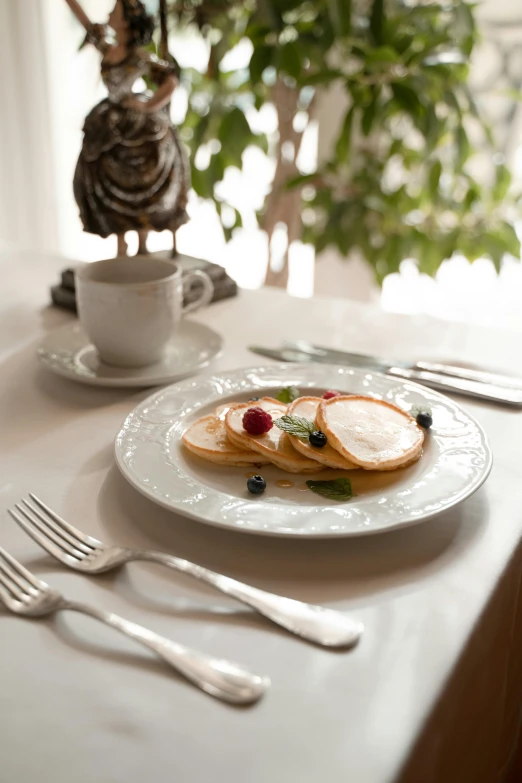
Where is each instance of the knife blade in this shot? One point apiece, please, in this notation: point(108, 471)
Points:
point(480, 390)
point(365, 360)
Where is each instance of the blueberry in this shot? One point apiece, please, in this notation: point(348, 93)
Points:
point(317, 439)
point(424, 420)
point(253, 399)
point(256, 485)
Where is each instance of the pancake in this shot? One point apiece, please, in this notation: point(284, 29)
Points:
point(207, 438)
point(274, 445)
point(306, 407)
point(373, 434)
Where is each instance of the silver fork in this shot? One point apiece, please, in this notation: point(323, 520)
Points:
point(85, 553)
point(24, 594)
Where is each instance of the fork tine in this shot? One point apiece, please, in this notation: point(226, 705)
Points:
point(41, 539)
point(49, 522)
point(20, 569)
point(5, 595)
point(73, 531)
point(13, 576)
point(7, 581)
point(48, 532)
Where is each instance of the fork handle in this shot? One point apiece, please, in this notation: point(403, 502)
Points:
point(218, 677)
point(315, 623)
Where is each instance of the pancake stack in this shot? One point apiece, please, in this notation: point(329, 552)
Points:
point(361, 432)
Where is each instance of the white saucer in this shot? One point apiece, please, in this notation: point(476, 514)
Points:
point(68, 352)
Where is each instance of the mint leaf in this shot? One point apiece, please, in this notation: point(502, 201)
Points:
point(296, 425)
point(416, 409)
point(335, 489)
point(288, 394)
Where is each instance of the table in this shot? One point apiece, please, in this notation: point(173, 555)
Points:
point(432, 694)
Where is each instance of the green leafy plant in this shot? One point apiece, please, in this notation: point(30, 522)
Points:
point(398, 182)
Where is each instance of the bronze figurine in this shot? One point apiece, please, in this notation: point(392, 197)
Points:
point(132, 173)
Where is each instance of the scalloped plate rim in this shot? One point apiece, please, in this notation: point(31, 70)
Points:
point(288, 370)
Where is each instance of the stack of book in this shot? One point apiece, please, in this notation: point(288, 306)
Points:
point(63, 294)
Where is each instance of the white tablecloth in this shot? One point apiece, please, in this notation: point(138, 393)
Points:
point(431, 695)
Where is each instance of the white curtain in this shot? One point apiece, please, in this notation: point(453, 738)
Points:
point(27, 193)
point(75, 86)
point(46, 89)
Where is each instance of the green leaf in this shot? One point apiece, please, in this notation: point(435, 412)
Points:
point(323, 76)
point(407, 99)
point(267, 14)
point(434, 177)
point(472, 197)
point(290, 59)
point(377, 21)
point(296, 425)
point(301, 180)
point(216, 168)
point(431, 256)
point(502, 183)
point(464, 26)
point(261, 59)
point(335, 489)
point(231, 149)
point(494, 249)
point(368, 117)
point(433, 128)
point(463, 147)
point(259, 100)
point(500, 241)
point(395, 253)
point(451, 98)
point(382, 55)
point(201, 183)
point(343, 143)
point(510, 239)
point(288, 394)
point(200, 131)
point(260, 140)
point(257, 33)
point(340, 12)
point(234, 133)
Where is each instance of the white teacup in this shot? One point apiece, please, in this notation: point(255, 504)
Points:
point(131, 307)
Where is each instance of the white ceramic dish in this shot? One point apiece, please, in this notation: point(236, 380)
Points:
point(149, 452)
point(68, 352)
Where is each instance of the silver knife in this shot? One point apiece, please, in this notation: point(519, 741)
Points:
point(482, 391)
point(363, 360)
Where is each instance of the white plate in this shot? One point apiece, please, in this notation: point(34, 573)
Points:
point(68, 352)
point(150, 454)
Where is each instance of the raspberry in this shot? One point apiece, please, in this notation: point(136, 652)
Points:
point(328, 395)
point(256, 421)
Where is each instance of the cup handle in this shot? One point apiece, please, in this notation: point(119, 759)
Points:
point(207, 290)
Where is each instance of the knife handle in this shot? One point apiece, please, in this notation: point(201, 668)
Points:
point(479, 389)
point(471, 375)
